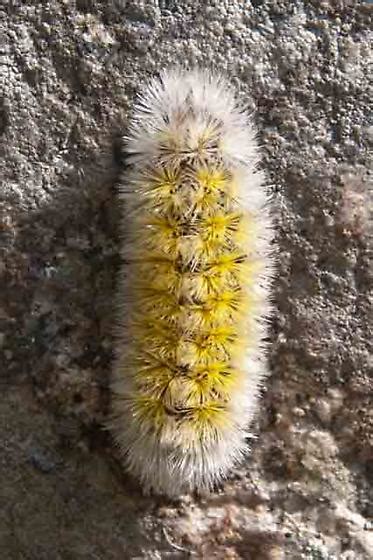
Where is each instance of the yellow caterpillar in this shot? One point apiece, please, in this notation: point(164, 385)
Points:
point(194, 294)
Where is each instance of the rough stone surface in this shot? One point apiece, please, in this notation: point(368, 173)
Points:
point(68, 74)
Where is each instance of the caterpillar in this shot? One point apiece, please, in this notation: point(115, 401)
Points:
point(194, 294)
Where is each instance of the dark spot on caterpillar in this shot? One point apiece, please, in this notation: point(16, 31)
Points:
point(183, 370)
point(241, 259)
point(176, 411)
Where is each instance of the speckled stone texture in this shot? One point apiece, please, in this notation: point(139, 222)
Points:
point(68, 74)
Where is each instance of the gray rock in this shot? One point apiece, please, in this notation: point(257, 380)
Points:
point(68, 75)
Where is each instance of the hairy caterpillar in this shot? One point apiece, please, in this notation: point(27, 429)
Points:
point(194, 294)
